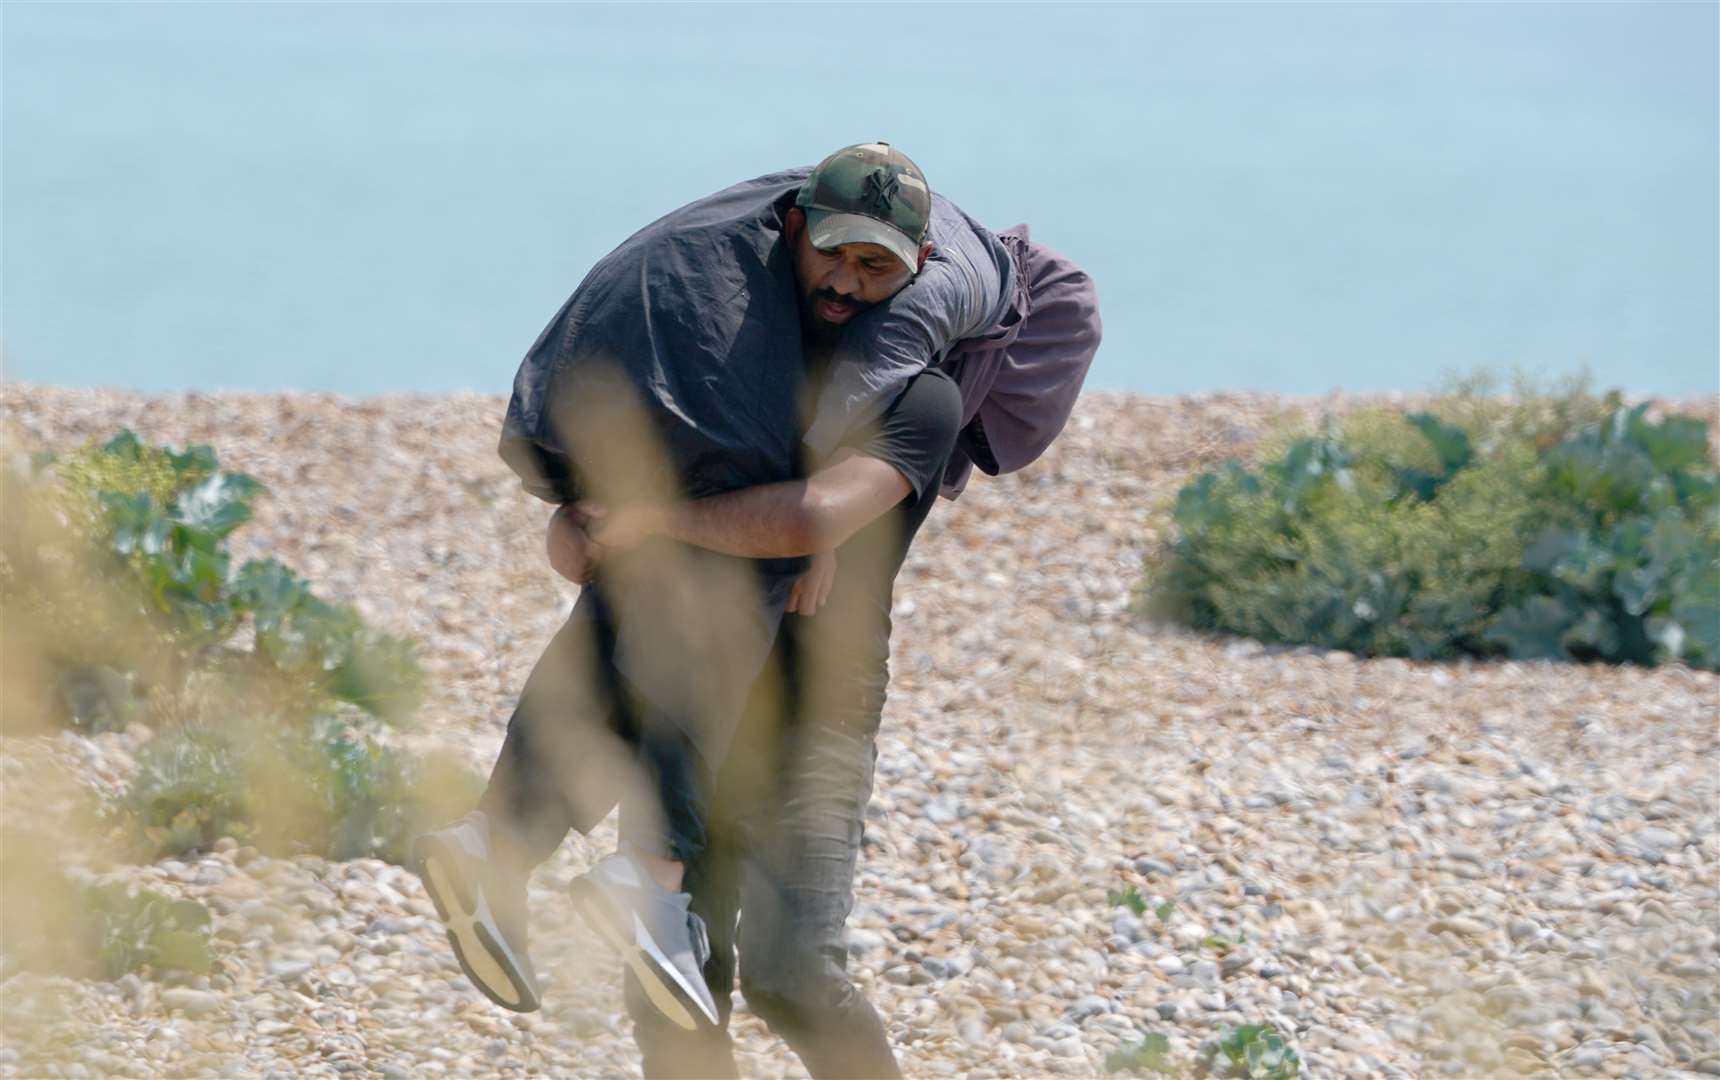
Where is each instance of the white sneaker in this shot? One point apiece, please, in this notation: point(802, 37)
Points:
point(483, 906)
point(657, 935)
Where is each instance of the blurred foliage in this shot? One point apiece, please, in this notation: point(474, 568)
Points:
point(115, 576)
point(1563, 526)
point(1150, 1055)
point(323, 787)
point(1129, 897)
point(122, 603)
point(51, 924)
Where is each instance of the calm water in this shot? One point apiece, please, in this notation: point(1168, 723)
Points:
point(366, 198)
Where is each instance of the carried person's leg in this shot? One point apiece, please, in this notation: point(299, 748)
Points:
point(694, 630)
point(586, 734)
point(565, 759)
point(569, 745)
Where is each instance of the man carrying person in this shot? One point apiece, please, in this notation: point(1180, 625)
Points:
point(928, 345)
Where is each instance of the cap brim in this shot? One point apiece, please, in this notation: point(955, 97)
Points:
point(829, 229)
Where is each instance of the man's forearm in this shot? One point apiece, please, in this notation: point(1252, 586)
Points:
point(765, 522)
point(770, 521)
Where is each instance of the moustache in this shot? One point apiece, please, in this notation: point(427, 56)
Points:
point(834, 297)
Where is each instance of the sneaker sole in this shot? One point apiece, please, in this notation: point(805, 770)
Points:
point(476, 939)
point(660, 979)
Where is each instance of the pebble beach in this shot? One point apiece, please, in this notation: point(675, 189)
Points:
point(1469, 869)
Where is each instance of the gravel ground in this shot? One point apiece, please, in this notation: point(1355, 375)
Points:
point(1415, 869)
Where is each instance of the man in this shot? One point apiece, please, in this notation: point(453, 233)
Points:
point(856, 236)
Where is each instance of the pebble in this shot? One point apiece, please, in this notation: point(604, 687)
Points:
point(289, 970)
point(191, 1002)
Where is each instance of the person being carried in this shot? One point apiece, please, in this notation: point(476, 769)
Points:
point(1016, 326)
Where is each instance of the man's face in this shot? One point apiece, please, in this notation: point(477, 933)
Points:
point(840, 283)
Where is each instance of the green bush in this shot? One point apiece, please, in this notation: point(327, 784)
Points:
point(1258, 1052)
point(50, 924)
point(323, 788)
point(142, 929)
point(1571, 528)
point(115, 563)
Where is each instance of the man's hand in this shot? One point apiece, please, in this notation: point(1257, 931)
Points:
point(572, 552)
point(812, 588)
point(621, 527)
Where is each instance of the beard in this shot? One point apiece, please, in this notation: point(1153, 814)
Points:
point(819, 329)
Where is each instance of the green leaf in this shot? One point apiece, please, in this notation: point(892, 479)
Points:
point(219, 504)
point(1697, 612)
point(1165, 910)
point(1129, 897)
point(1450, 444)
point(1308, 466)
point(266, 586)
point(1638, 589)
point(1234, 1043)
point(1259, 1052)
point(136, 522)
point(194, 464)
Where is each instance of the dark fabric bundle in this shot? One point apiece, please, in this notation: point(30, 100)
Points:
point(697, 312)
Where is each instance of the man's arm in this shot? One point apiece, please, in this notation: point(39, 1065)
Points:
point(797, 517)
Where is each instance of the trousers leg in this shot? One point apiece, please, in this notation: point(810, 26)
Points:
point(797, 891)
point(633, 701)
point(569, 749)
point(798, 885)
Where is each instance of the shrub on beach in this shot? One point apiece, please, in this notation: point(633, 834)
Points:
point(323, 788)
point(51, 924)
point(1565, 526)
point(115, 577)
point(122, 602)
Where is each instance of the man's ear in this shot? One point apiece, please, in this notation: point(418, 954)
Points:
point(925, 253)
point(793, 222)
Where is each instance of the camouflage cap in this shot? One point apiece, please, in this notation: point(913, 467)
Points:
point(870, 193)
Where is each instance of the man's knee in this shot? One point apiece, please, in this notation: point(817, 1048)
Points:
point(792, 987)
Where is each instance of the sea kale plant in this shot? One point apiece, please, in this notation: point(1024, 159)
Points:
point(322, 787)
point(1567, 527)
point(122, 602)
point(116, 578)
point(53, 924)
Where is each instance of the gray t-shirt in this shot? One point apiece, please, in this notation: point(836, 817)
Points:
point(963, 291)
